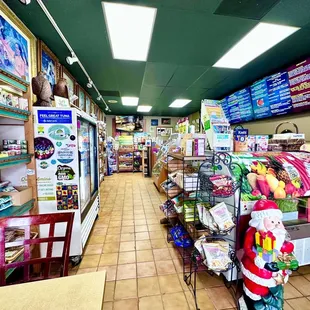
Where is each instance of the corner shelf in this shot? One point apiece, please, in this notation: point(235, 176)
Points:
point(17, 210)
point(14, 113)
point(6, 162)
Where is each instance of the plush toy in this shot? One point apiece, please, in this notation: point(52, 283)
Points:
point(268, 258)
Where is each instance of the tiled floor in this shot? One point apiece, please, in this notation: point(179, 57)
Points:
point(144, 271)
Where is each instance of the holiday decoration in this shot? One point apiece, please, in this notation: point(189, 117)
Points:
point(268, 258)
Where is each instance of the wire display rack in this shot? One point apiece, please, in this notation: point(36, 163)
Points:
point(216, 164)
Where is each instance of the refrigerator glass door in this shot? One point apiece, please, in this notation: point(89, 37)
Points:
point(93, 159)
point(84, 162)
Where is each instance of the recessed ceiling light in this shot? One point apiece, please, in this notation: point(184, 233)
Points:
point(144, 108)
point(130, 29)
point(179, 103)
point(112, 101)
point(259, 40)
point(133, 101)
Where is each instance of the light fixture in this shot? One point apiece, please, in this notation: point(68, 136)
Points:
point(259, 40)
point(112, 101)
point(132, 101)
point(107, 108)
point(25, 2)
point(99, 98)
point(130, 29)
point(71, 60)
point(89, 84)
point(144, 108)
point(179, 103)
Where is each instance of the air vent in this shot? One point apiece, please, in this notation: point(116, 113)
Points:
point(249, 9)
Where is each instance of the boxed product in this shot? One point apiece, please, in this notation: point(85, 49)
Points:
point(251, 143)
point(23, 103)
point(20, 195)
point(262, 143)
point(241, 140)
point(199, 147)
point(189, 147)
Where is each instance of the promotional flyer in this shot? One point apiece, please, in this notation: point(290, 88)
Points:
point(55, 148)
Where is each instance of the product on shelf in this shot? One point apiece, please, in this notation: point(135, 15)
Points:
point(217, 255)
point(180, 237)
point(13, 147)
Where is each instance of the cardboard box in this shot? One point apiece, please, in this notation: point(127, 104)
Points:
point(19, 198)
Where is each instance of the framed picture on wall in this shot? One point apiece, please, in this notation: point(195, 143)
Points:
point(163, 131)
point(15, 47)
point(48, 63)
point(92, 107)
point(166, 121)
point(81, 95)
point(87, 104)
point(154, 122)
point(70, 83)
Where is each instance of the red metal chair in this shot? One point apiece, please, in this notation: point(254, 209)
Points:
point(24, 223)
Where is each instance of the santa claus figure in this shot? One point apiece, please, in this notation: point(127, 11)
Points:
point(267, 258)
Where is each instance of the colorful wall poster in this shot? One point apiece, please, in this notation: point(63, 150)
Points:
point(299, 80)
point(55, 147)
point(67, 197)
point(279, 96)
point(260, 100)
point(87, 105)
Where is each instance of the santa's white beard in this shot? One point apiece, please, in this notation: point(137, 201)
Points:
point(280, 235)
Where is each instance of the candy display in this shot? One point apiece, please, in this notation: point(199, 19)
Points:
point(43, 148)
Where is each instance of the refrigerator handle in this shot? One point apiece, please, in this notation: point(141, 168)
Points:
point(79, 156)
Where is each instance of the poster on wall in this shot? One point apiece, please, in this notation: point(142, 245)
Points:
point(14, 49)
point(70, 83)
point(154, 122)
point(299, 80)
point(260, 100)
point(129, 123)
point(56, 160)
point(279, 96)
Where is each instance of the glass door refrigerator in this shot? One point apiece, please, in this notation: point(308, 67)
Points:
point(66, 153)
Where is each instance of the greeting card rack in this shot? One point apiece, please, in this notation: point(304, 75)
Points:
point(219, 164)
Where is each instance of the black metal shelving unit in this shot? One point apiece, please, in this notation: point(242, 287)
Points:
point(217, 164)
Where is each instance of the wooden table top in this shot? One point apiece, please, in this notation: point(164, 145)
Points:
point(83, 292)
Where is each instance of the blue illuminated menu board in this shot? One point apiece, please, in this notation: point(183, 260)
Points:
point(280, 101)
point(239, 106)
point(233, 109)
point(260, 100)
point(223, 104)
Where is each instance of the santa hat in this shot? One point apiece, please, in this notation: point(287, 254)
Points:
point(265, 208)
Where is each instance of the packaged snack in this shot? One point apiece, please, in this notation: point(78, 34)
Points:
point(217, 257)
point(222, 216)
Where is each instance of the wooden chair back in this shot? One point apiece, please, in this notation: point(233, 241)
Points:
point(25, 260)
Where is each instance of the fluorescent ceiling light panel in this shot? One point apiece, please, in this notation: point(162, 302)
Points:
point(144, 108)
point(179, 103)
point(133, 101)
point(259, 40)
point(130, 29)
